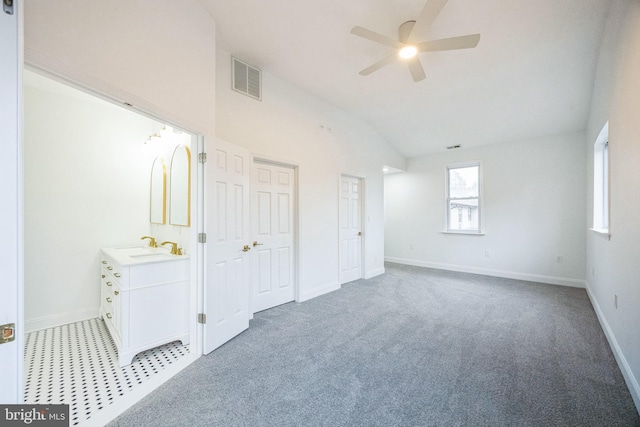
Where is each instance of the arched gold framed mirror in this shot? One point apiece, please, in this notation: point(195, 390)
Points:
point(180, 204)
point(158, 196)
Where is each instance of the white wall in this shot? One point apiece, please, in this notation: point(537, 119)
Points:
point(533, 199)
point(286, 125)
point(612, 265)
point(158, 55)
point(87, 173)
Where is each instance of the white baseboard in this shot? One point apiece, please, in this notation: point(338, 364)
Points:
point(627, 373)
point(59, 319)
point(562, 281)
point(305, 296)
point(374, 273)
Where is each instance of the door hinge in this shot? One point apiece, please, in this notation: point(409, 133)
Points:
point(202, 318)
point(202, 157)
point(8, 332)
point(202, 237)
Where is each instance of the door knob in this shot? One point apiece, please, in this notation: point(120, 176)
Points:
point(246, 248)
point(256, 244)
point(359, 233)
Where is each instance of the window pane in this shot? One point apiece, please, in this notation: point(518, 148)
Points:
point(463, 182)
point(463, 214)
point(605, 186)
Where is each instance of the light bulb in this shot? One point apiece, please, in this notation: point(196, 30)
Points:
point(408, 52)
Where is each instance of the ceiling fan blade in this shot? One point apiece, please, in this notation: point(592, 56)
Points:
point(460, 42)
point(377, 65)
point(370, 35)
point(427, 16)
point(417, 72)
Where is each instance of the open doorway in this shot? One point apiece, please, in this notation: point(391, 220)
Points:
point(87, 186)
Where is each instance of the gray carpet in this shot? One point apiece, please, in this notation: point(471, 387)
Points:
point(414, 347)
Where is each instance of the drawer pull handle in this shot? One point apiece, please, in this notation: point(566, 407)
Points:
point(108, 315)
point(103, 276)
point(116, 293)
point(116, 274)
point(109, 268)
point(109, 284)
point(108, 299)
point(104, 262)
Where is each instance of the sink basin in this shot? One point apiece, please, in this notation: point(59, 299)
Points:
point(134, 251)
point(159, 256)
point(135, 248)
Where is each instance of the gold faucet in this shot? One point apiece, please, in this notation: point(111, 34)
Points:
point(152, 241)
point(175, 250)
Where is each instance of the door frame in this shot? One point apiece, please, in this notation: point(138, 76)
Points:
point(361, 196)
point(12, 185)
point(268, 160)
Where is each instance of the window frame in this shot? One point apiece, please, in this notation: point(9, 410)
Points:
point(474, 232)
point(601, 183)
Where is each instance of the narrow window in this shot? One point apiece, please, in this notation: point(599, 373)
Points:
point(463, 192)
point(601, 181)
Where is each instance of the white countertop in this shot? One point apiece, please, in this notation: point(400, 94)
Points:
point(140, 254)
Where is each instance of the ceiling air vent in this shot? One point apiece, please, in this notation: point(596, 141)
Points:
point(246, 79)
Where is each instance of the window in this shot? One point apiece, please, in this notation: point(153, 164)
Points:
point(463, 195)
point(601, 181)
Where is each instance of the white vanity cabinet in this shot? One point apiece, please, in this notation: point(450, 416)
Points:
point(144, 299)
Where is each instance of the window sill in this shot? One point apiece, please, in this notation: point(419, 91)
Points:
point(466, 233)
point(602, 232)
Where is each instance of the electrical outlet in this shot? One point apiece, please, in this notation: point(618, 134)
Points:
point(410, 247)
point(559, 259)
point(593, 271)
point(615, 301)
point(487, 253)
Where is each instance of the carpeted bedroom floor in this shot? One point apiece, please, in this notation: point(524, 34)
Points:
point(413, 347)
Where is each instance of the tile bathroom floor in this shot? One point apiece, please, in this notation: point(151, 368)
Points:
point(78, 364)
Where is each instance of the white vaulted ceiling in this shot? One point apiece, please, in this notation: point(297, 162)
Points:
point(530, 76)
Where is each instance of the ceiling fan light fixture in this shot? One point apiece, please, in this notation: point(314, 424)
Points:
point(408, 52)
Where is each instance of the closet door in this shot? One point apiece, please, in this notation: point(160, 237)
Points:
point(227, 268)
point(350, 251)
point(11, 283)
point(272, 213)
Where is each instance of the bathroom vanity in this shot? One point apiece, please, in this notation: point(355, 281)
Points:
point(144, 298)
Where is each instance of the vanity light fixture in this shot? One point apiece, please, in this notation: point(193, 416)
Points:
point(166, 130)
point(153, 138)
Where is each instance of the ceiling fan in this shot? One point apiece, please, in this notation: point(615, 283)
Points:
point(408, 45)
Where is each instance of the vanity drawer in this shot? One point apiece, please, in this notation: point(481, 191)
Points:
point(111, 267)
point(110, 305)
point(106, 279)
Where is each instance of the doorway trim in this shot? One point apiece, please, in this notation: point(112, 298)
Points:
point(57, 71)
point(12, 188)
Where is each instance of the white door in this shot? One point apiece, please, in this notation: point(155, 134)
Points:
point(11, 190)
point(227, 266)
point(350, 251)
point(272, 213)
